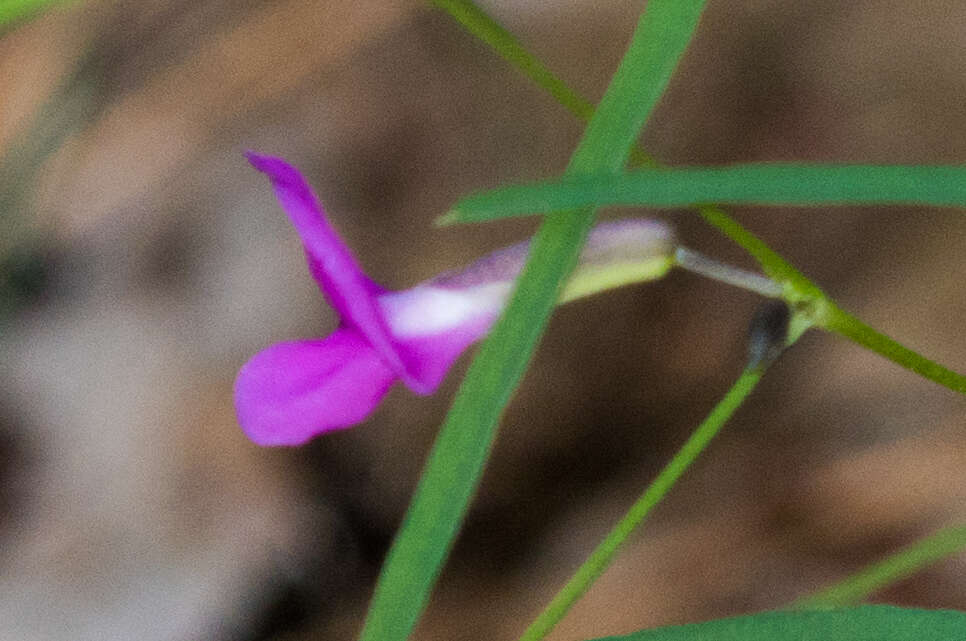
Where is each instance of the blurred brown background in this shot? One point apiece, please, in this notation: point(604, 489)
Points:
point(143, 261)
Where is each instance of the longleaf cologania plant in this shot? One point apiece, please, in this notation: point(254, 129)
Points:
point(294, 391)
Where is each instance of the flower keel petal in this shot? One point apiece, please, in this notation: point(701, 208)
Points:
point(292, 392)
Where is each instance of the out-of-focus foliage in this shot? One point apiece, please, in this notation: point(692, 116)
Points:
point(13, 10)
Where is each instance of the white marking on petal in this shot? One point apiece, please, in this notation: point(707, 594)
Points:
point(425, 310)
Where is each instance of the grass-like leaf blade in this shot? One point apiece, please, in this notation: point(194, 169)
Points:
point(754, 184)
point(456, 462)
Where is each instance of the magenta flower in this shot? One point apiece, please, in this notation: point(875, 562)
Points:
point(293, 391)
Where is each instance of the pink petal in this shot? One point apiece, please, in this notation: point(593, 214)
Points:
point(431, 356)
point(345, 285)
point(292, 392)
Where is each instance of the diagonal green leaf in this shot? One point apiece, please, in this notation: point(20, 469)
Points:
point(456, 462)
point(868, 623)
point(756, 184)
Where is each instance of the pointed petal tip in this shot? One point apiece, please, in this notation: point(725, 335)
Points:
point(277, 169)
point(255, 158)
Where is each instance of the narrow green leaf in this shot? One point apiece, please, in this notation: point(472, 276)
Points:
point(945, 543)
point(661, 36)
point(868, 623)
point(756, 184)
point(458, 456)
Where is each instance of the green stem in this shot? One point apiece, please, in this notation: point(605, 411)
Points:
point(505, 43)
point(822, 311)
point(940, 545)
point(841, 322)
point(481, 25)
point(798, 288)
point(698, 263)
point(602, 556)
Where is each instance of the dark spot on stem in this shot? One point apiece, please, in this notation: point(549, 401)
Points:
point(767, 333)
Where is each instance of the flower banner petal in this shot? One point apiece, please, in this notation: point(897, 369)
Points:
point(344, 283)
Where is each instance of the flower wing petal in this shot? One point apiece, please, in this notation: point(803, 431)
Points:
point(430, 357)
point(291, 392)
